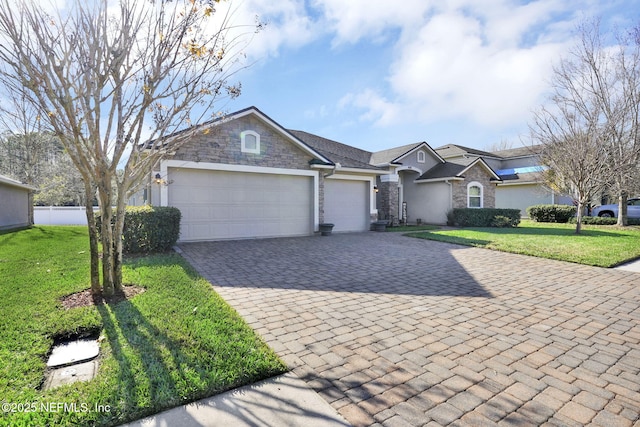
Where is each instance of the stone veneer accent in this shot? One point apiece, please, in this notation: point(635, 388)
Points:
point(222, 145)
point(387, 199)
point(478, 174)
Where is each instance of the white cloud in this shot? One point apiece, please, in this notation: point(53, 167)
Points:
point(357, 19)
point(288, 25)
point(485, 62)
point(377, 108)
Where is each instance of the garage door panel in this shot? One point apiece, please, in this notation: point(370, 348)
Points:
point(227, 205)
point(346, 204)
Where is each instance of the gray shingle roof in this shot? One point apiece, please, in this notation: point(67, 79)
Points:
point(346, 155)
point(442, 170)
point(454, 150)
point(519, 152)
point(454, 170)
point(385, 156)
point(523, 178)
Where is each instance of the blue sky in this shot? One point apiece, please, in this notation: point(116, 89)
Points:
point(377, 74)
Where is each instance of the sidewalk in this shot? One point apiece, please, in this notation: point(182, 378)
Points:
point(631, 266)
point(280, 401)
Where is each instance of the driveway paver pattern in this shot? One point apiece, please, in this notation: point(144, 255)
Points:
point(397, 331)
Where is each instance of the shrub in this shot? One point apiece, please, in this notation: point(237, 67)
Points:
point(501, 221)
point(597, 220)
point(149, 229)
point(551, 213)
point(484, 217)
point(451, 220)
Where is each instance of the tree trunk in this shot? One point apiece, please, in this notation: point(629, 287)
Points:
point(93, 239)
point(579, 217)
point(104, 198)
point(622, 210)
point(118, 229)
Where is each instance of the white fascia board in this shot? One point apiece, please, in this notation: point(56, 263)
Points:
point(392, 177)
point(362, 171)
point(235, 168)
point(510, 184)
point(421, 181)
point(350, 170)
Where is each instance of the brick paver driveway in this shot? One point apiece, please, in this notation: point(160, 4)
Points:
point(401, 331)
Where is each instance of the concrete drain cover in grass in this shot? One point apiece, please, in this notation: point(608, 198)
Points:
point(73, 352)
point(70, 374)
point(72, 361)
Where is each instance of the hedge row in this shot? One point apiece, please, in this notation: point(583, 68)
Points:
point(597, 220)
point(551, 213)
point(484, 217)
point(149, 228)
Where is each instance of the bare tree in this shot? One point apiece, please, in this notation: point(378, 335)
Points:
point(572, 150)
point(113, 82)
point(614, 83)
point(590, 132)
point(504, 144)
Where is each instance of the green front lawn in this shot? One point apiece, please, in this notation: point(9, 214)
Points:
point(175, 343)
point(603, 246)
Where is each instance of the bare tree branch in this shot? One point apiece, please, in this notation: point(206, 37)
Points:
point(111, 84)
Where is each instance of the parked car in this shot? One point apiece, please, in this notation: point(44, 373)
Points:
point(611, 211)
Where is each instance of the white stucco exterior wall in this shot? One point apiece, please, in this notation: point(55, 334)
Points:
point(522, 196)
point(428, 201)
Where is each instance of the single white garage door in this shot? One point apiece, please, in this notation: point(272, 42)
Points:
point(240, 205)
point(346, 204)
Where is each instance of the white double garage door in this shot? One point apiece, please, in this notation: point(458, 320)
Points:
point(220, 204)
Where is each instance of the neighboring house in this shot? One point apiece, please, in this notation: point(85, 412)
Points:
point(423, 186)
point(246, 176)
point(16, 204)
point(521, 175)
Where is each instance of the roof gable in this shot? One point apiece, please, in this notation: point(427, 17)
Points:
point(166, 140)
point(279, 128)
point(395, 155)
point(455, 171)
point(480, 161)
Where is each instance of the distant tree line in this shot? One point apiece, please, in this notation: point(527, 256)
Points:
point(39, 159)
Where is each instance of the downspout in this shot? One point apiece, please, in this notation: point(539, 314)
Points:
point(335, 167)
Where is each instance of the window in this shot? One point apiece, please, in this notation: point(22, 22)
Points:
point(421, 157)
point(250, 142)
point(474, 195)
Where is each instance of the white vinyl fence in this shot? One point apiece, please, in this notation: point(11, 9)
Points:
point(60, 215)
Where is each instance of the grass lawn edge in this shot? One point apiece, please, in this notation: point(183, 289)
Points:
point(552, 242)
